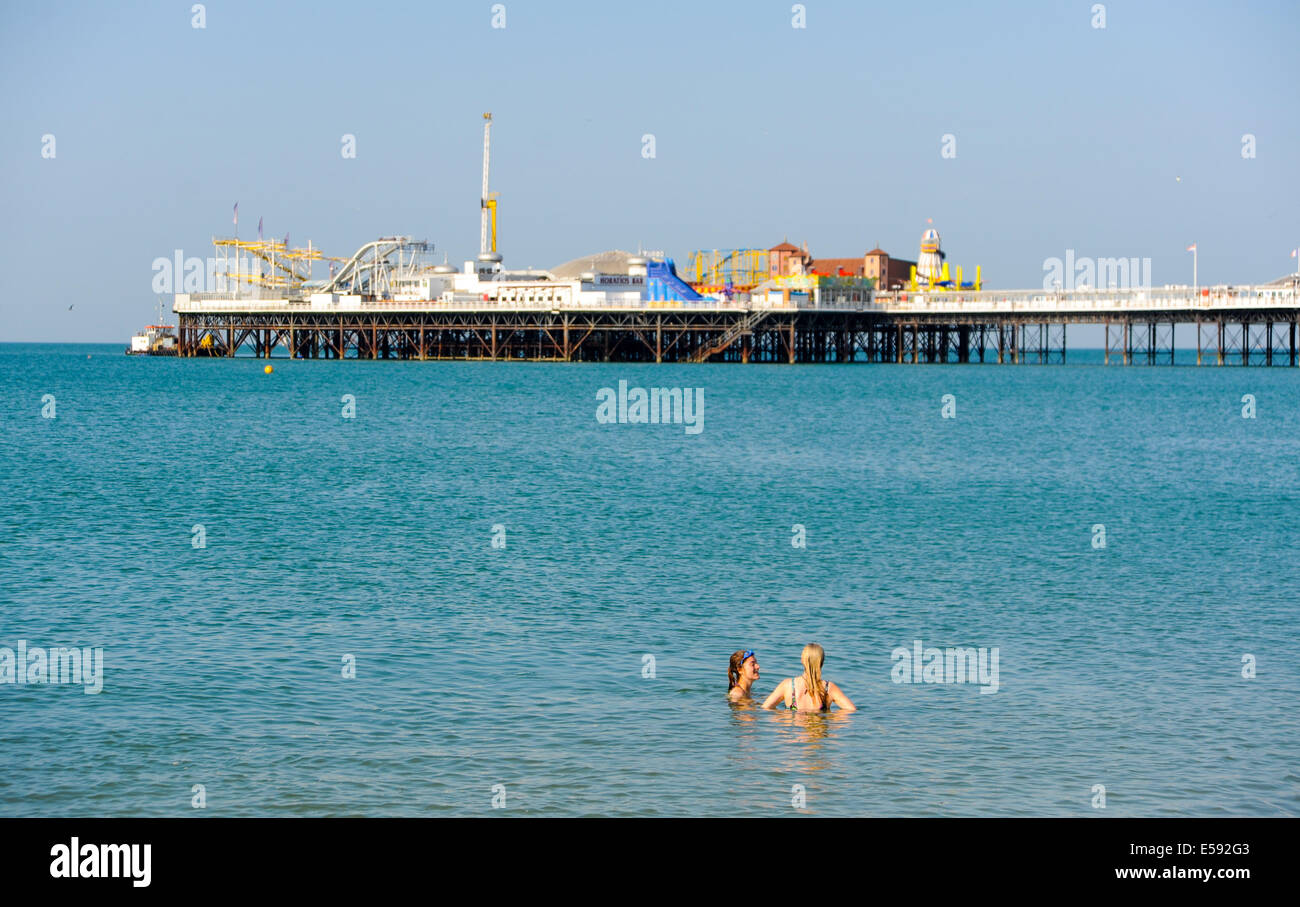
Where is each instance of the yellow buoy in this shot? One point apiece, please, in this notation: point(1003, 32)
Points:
point(268, 369)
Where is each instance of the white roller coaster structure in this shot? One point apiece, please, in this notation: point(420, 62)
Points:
point(373, 268)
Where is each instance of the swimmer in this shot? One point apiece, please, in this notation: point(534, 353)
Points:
point(741, 674)
point(810, 693)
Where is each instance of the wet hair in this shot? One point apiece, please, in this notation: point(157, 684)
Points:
point(812, 657)
point(733, 669)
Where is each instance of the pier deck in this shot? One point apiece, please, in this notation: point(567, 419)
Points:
point(1254, 325)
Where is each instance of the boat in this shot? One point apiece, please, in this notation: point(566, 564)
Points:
point(154, 340)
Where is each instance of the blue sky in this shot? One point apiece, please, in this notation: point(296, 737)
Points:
point(1123, 141)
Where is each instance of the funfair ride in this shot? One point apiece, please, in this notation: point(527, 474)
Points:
point(931, 269)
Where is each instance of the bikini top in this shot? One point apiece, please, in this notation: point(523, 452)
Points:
point(794, 697)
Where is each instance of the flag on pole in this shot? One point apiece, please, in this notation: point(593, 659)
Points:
point(1293, 251)
point(286, 240)
point(1192, 247)
point(259, 228)
point(236, 214)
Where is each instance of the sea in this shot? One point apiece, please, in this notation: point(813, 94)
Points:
point(450, 589)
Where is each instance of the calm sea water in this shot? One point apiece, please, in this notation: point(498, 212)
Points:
point(525, 666)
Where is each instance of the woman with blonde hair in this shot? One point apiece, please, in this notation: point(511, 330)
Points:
point(741, 674)
point(810, 693)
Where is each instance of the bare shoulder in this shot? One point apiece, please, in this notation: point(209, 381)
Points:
point(840, 697)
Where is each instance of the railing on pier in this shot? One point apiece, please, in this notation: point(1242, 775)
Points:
point(220, 303)
point(1087, 301)
point(992, 302)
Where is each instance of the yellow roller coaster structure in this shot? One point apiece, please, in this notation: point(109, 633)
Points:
point(288, 267)
point(743, 269)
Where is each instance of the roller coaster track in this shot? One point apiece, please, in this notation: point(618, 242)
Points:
point(371, 263)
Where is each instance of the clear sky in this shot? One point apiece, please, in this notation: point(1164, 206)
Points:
point(1118, 141)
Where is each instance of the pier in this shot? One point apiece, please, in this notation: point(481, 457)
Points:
point(391, 301)
point(1254, 325)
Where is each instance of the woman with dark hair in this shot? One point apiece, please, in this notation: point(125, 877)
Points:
point(741, 674)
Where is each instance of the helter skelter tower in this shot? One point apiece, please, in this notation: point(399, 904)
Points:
point(929, 264)
point(488, 256)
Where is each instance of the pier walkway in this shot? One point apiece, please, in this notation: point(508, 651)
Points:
point(1249, 325)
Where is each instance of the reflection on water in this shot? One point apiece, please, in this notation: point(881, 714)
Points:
point(811, 735)
point(805, 737)
point(745, 715)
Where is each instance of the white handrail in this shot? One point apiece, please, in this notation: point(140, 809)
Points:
point(966, 302)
